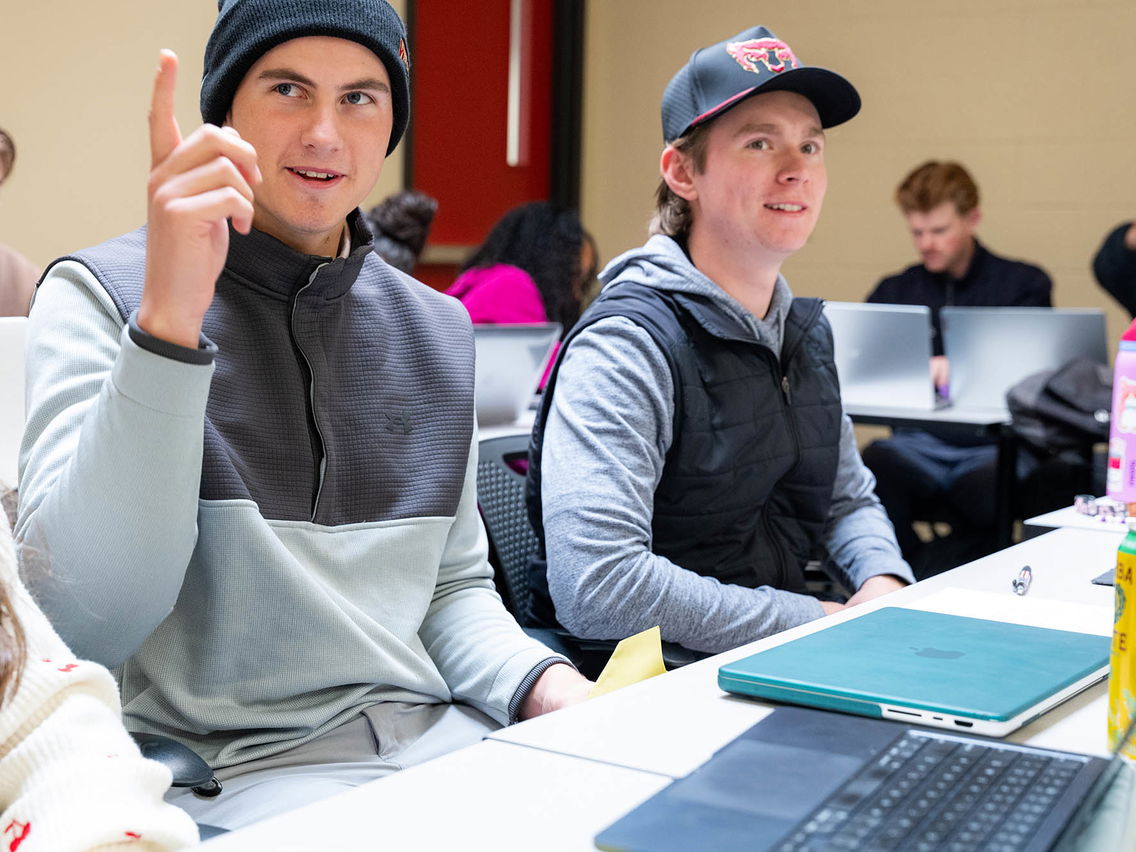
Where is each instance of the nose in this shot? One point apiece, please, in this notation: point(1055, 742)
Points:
point(794, 168)
point(321, 133)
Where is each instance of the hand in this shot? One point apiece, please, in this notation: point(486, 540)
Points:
point(940, 371)
point(559, 686)
point(873, 587)
point(196, 184)
point(830, 607)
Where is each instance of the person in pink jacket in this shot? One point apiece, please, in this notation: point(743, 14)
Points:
point(535, 266)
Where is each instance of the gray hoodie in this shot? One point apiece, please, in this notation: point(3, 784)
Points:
point(608, 432)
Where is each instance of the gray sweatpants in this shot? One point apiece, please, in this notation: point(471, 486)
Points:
point(382, 739)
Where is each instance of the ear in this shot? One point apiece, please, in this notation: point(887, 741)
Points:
point(973, 217)
point(678, 173)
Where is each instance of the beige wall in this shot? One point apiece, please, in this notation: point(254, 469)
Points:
point(77, 81)
point(1033, 95)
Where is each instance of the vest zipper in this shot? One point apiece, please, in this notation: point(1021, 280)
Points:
point(322, 458)
point(786, 392)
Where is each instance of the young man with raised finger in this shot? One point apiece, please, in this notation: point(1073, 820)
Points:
point(250, 449)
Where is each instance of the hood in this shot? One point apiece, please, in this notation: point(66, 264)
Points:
point(662, 264)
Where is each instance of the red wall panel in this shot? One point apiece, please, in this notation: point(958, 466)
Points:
point(460, 111)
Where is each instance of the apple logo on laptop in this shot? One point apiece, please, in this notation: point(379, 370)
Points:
point(937, 653)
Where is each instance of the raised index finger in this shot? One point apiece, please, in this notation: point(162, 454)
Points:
point(164, 132)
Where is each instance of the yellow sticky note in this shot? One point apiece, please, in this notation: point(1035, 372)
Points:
point(634, 659)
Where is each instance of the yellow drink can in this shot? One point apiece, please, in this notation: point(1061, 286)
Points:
point(1122, 660)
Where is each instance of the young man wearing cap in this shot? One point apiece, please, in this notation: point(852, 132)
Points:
point(691, 455)
point(250, 449)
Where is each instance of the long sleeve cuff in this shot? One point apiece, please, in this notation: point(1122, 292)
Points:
point(528, 683)
point(204, 353)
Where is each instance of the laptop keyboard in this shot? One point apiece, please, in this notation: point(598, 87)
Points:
point(930, 793)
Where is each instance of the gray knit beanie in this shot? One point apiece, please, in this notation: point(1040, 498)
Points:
point(247, 29)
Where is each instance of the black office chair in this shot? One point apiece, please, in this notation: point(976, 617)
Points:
point(187, 768)
point(501, 469)
point(501, 472)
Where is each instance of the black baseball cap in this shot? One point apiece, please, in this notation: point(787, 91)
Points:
point(754, 61)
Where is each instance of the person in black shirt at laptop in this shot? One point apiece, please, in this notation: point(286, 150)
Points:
point(917, 470)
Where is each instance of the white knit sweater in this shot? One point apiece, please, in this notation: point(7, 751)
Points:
point(71, 778)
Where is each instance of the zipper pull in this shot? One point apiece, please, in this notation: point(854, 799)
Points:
point(785, 389)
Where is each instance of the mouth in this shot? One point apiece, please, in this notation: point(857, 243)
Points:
point(316, 177)
point(786, 207)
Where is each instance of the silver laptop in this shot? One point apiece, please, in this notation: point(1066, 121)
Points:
point(13, 331)
point(510, 361)
point(882, 355)
point(991, 349)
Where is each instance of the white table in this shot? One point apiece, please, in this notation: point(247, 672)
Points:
point(554, 782)
point(673, 723)
point(1070, 517)
point(488, 796)
point(983, 422)
point(521, 426)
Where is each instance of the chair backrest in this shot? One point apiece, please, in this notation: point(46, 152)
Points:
point(501, 498)
point(13, 331)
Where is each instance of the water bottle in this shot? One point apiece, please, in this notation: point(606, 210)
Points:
point(1122, 659)
point(1120, 481)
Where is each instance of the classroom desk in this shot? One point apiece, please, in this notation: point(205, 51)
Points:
point(521, 426)
point(982, 422)
point(1070, 517)
point(674, 723)
point(488, 796)
point(554, 782)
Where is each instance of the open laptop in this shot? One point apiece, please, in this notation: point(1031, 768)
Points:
point(810, 780)
point(991, 349)
point(510, 361)
point(882, 354)
point(13, 331)
point(930, 668)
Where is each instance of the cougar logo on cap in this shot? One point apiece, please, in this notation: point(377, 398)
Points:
point(402, 54)
point(771, 52)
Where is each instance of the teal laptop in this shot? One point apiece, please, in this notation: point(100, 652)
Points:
point(926, 668)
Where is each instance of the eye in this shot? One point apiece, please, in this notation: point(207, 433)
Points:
point(358, 98)
point(810, 148)
point(288, 90)
point(758, 144)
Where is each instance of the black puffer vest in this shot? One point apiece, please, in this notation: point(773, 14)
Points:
point(748, 479)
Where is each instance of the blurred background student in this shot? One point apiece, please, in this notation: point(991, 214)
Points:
point(536, 265)
point(18, 275)
point(401, 223)
point(1114, 265)
point(71, 778)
